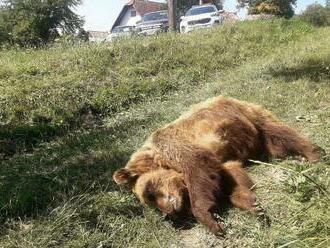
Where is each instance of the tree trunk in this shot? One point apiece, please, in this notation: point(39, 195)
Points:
point(172, 10)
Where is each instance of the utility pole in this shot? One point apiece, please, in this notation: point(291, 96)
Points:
point(172, 7)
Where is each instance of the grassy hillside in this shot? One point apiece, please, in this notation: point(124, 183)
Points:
point(70, 116)
point(45, 93)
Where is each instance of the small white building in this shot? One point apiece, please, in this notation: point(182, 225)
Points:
point(97, 36)
point(230, 17)
point(259, 17)
point(134, 10)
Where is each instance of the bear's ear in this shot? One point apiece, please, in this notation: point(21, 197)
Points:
point(125, 176)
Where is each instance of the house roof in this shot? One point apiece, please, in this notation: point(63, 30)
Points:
point(141, 6)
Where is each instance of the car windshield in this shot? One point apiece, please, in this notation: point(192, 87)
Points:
point(121, 29)
point(155, 16)
point(201, 10)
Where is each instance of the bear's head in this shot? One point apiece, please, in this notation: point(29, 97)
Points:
point(161, 188)
point(164, 189)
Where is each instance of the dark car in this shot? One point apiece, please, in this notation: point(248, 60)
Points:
point(153, 23)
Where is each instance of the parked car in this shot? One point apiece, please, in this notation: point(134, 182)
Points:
point(200, 16)
point(120, 31)
point(152, 23)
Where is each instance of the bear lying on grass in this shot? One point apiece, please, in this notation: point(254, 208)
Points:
point(195, 162)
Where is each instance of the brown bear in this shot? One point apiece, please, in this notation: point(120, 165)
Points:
point(196, 161)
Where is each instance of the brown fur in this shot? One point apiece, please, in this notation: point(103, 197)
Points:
point(162, 188)
point(194, 154)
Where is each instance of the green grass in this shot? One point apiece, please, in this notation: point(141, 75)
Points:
point(72, 115)
point(46, 93)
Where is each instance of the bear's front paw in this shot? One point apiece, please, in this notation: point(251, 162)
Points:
point(218, 229)
point(261, 213)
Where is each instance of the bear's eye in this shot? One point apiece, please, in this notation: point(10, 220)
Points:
point(151, 196)
point(150, 192)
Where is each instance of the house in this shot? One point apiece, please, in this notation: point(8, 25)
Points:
point(230, 17)
point(259, 17)
point(134, 10)
point(97, 36)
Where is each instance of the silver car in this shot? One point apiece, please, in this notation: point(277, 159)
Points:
point(153, 23)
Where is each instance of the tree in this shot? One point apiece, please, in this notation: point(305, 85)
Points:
point(283, 8)
point(317, 15)
point(172, 14)
point(36, 22)
point(3, 34)
point(82, 34)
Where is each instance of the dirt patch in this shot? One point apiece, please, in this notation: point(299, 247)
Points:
point(199, 237)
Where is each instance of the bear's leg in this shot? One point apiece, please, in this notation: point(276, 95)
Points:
point(239, 187)
point(203, 183)
point(233, 174)
point(245, 199)
point(281, 141)
point(202, 210)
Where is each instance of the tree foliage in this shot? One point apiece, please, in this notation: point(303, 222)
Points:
point(35, 22)
point(283, 8)
point(317, 15)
